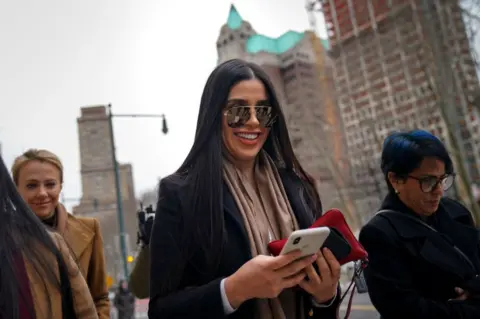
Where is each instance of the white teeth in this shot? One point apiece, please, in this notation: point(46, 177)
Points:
point(248, 136)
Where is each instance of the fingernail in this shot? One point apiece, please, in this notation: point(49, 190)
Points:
point(326, 250)
point(314, 257)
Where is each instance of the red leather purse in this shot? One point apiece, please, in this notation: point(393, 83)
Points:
point(334, 219)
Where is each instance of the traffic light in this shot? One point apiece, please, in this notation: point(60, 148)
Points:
point(164, 125)
point(109, 281)
point(130, 259)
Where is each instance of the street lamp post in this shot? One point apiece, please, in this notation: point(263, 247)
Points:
point(121, 223)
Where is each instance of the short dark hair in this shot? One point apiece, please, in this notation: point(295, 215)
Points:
point(403, 152)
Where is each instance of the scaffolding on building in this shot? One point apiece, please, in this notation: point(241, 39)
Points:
point(330, 120)
point(385, 69)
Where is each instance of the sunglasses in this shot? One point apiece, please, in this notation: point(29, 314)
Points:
point(238, 116)
point(429, 183)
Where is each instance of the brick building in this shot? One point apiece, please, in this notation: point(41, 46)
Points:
point(300, 69)
point(402, 64)
point(98, 186)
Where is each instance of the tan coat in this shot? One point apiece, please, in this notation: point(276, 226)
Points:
point(47, 299)
point(84, 239)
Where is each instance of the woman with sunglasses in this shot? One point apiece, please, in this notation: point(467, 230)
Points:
point(423, 248)
point(239, 188)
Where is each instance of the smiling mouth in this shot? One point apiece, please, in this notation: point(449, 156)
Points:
point(42, 204)
point(248, 136)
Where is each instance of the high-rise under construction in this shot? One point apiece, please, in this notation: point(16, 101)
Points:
point(403, 64)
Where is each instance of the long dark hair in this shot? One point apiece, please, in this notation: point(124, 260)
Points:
point(204, 221)
point(21, 236)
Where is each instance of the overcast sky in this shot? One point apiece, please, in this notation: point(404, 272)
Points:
point(144, 56)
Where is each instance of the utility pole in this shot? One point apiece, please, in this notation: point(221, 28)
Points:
point(121, 223)
point(119, 198)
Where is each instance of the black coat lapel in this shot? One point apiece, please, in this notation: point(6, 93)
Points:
point(296, 196)
point(430, 245)
point(232, 213)
point(465, 236)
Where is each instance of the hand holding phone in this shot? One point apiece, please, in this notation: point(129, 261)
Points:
point(308, 241)
point(266, 277)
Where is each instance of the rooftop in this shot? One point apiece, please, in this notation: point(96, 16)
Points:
point(261, 43)
point(234, 20)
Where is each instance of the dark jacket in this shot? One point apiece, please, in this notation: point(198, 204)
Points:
point(202, 298)
point(414, 270)
point(125, 303)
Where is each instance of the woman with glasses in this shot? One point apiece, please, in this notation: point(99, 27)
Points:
point(239, 188)
point(423, 247)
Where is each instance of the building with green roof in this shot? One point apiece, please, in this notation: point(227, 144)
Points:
point(256, 43)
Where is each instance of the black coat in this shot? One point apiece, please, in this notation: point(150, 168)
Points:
point(202, 298)
point(124, 301)
point(414, 270)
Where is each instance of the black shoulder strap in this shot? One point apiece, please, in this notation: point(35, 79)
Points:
point(387, 212)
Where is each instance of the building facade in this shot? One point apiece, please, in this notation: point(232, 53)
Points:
point(300, 70)
point(98, 186)
point(402, 64)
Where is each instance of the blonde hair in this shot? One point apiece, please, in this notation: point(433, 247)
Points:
point(43, 156)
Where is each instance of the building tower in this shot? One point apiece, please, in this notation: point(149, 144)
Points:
point(316, 129)
point(403, 64)
point(98, 185)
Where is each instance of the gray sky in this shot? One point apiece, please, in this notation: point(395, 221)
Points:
point(146, 56)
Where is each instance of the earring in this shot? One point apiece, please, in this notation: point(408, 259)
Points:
point(397, 192)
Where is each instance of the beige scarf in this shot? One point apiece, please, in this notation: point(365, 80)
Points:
point(267, 216)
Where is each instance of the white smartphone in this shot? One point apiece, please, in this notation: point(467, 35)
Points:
point(308, 241)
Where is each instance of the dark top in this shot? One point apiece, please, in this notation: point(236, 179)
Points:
point(25, 302)
point(202, 298)
point(414, 270)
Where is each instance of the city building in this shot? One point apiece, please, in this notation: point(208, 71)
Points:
point(98, 186)
point(402, 64)
point(299, 67)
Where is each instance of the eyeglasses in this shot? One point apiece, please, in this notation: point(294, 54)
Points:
point(238, 116)
point(429, 183)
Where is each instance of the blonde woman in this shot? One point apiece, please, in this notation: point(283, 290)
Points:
point(38, 175)
point(38, 277)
